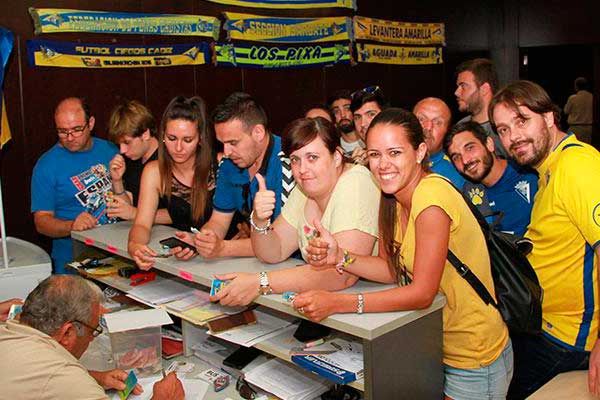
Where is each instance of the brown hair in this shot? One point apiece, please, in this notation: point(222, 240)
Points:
point(191, 109)
point(388, 217)
point(130, 118)
point(302, 131)
point(524, 93)
point(483, 70)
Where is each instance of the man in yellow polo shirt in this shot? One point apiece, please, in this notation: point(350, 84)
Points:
point(565, 230)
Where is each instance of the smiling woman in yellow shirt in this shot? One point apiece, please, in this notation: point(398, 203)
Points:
point(421, 217)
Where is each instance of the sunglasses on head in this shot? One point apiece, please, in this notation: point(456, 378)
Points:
point(367, 90)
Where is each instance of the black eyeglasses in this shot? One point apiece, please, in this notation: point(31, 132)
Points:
point(367, 90)
point(95, 331)
point(75, 132)
point(244, 389)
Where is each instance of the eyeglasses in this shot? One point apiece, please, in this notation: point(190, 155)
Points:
point(75, 132)
point(95, 331)
point(367, 90)
point(244, 389)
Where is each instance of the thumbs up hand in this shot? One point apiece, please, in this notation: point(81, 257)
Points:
point(323, 249)
point(264, 202)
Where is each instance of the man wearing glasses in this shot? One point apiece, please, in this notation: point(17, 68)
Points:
point(40, 353)
point(70, 181)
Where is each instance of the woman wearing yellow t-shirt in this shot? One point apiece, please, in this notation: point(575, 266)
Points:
point(421, 217)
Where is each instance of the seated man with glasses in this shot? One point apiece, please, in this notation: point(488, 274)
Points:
point(40, 353)
point(71, 180)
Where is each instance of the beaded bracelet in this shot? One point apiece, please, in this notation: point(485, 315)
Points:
point(261, 230)
point(344, 262)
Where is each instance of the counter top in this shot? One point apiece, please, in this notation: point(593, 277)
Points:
point(113, 238)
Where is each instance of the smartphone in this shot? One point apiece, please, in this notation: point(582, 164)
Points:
point(176, 242)
point(241, 357)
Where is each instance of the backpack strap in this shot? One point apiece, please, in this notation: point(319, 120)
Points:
point(463, 270)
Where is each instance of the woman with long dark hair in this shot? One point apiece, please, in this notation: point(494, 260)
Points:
point(183, 178)
point(421, 217)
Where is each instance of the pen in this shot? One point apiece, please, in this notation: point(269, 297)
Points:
point(314, 343)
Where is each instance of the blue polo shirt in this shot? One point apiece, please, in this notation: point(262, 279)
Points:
point(441, 165)
point(234, 187)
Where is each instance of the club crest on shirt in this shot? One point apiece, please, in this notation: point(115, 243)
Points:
point(522, 188)
point(596, 214)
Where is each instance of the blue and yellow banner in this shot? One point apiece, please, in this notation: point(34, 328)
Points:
point(281, 56)
point(46, 53)
point(396, 32)
point(6, 45)
point(381, 54)
point(286, 30)
point(293, 4)
point(51, 20)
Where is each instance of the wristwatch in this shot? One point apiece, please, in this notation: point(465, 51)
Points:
point(265, 287)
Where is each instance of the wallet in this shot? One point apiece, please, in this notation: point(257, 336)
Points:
point(231, 321)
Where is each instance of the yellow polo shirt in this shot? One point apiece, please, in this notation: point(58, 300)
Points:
point(474, 333)
point(565, 230)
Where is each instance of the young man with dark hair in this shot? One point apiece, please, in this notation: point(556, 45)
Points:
point(476, 83)
point(565, 230)
point(493, 184)
point(339, 104)
point(249, 149)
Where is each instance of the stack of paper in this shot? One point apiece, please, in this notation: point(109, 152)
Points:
point(266, 326)
point(213, 350)
point(287, 381)
point(196, 299)
point(160, 291)
point(344, 366)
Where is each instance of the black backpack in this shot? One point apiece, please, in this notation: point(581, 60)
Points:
point(516, 285)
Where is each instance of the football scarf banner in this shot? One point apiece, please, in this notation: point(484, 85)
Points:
point(286, 30)
point(281, 56)
point(46, 53)
point(283, 4)
point(51, 20)
point(398, 32)
point(380, 54)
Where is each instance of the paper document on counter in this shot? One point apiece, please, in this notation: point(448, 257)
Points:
point(266, 326)
point(160, 291)
point(287, 381)
point(194, 388)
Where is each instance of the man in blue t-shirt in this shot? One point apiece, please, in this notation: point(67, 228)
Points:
point(70, 181)
point(248, 149)
point(435, 116)
point(495, 185)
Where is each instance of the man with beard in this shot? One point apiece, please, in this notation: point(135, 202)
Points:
point(351, 143)
point(434, 116)
point(565, 230)
point(476, 82)
point(496, 186)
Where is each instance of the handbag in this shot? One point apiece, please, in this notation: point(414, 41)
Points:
point(518, 291)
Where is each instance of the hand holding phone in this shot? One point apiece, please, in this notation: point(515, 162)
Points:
point(173, 242)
